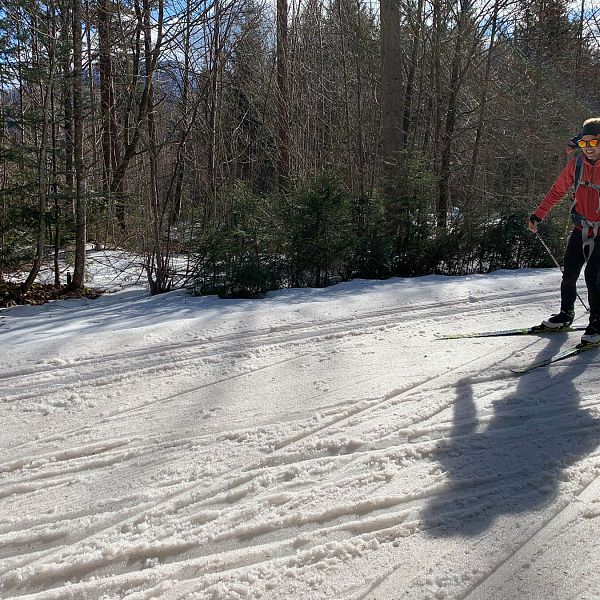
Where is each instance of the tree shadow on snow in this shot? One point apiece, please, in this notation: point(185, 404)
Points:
point(514, 462)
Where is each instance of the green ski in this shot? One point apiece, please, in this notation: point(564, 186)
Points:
point(536, 329)
point(579, 349)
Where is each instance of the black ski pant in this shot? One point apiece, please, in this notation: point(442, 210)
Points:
point(573, 263)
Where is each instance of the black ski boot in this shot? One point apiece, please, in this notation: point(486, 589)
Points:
point(560, 321)
point(592, 332)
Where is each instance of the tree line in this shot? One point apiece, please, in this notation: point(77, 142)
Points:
point(293, 143)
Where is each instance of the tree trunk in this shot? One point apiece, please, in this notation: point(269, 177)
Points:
point(110, 140)
point(157, 262)
point(580, 43)
point(215, 109)
point(80, 198)
point(412, 71)
point(180, 166)
point(391, 83)
point(443, 203)
point(283, 150)
point(55, 186)
point(359, 110)
point(436, 97)
point(4, 182)
point(483, 99)
point(42, 174)
point(131, 131)
point(91, 111)
point(67, 98)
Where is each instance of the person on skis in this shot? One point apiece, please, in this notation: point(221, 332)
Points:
point(584, 173)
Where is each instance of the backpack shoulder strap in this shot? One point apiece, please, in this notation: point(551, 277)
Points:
point(578, 172)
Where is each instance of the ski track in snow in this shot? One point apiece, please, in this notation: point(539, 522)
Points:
point(347, 456)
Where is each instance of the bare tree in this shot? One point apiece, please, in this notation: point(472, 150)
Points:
point(391, 82)
point(283, 139)
point(78, 281)
point(111, 150)
point(43, 24)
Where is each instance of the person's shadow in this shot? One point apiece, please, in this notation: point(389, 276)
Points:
point(513, 462)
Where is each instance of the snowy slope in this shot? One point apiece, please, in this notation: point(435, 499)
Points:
point(313, 444)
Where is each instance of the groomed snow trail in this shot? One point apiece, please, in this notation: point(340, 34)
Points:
point(313, 444)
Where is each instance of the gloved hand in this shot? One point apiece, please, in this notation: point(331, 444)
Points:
point(532, 222)
point(572, 144)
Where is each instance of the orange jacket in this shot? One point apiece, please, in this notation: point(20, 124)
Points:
point(587, 200)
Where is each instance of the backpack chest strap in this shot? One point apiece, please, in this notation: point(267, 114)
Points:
point(591, 185)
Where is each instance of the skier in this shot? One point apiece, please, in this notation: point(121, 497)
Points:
point(583, 173)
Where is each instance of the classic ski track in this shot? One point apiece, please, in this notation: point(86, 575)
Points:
point(419, 497)
point(163, 362)
point(279, 480)
point(306, 458)
point(348, 518)
point(134, 371)
point(346, 460)
point(254, 555)
point(338, 526)
point(188, 489)
point(391, 398)
point(140, 407)
point(123, 374)
point(168, 363)
point(533, 414)
point(303, 436)
point(191, 570)
point(565, 505)
point(258, 465)
point(212, 499)
point(484, 486)
point(324, 328)
point(222, 487)
point(373, 404)
point(132, 409)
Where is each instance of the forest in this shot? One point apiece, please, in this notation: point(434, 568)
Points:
point(289, 143)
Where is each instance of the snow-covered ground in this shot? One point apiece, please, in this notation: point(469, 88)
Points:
point(313, 444)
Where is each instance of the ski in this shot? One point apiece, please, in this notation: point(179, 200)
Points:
point(506, 332)
point(568, 353)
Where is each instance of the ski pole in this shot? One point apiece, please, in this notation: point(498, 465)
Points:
point(539, 237)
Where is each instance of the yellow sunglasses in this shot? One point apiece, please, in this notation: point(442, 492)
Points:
point(590, 143)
